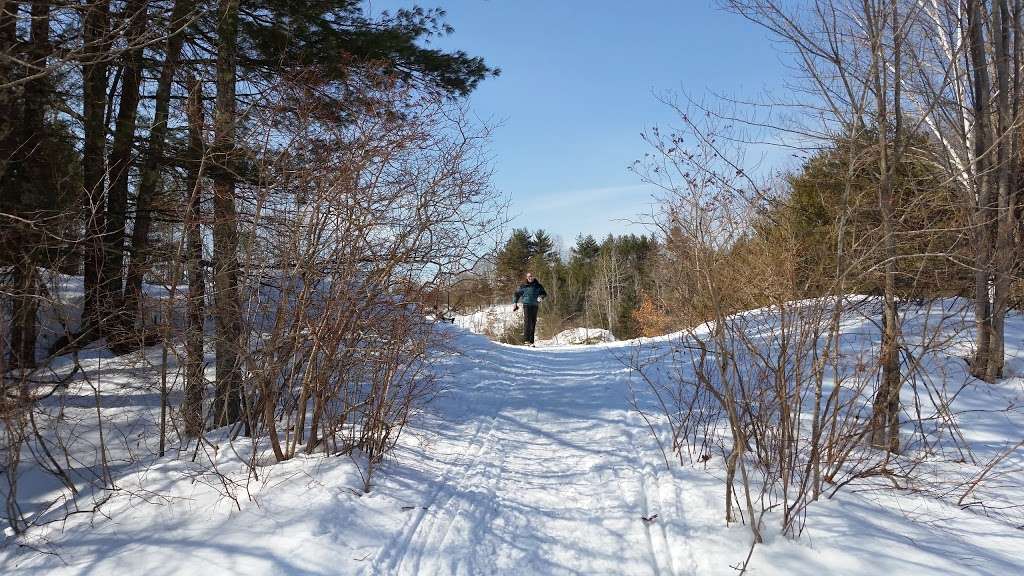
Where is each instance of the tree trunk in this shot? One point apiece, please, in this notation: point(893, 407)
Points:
point(8, 248)
point(8, 36)
point(94, 106)
point(886, 407)
point(38, 96)
point(112, 273)
point(227, 404)
point(195, 381)
point(22, 243)
point(981, 222)
point(1006, 200)
point(149, 176)
point(24, 328)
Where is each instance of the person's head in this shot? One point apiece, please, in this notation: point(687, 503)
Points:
point(529, 276)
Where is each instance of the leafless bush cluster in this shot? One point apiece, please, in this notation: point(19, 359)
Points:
point(350, 237)
point(796, 383)
point(757, 379)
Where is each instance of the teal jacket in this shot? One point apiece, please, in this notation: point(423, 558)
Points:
point(531, 293)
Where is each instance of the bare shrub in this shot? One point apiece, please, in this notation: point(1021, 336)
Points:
point(782, 387)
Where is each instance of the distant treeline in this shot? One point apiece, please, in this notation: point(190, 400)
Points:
point(645, 285)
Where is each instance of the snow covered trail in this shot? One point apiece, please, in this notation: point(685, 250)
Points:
point(530, 462)
point(536, 471)
point(536, 463)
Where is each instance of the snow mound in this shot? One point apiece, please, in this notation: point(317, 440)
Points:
point(575, 336)
point(491, 321)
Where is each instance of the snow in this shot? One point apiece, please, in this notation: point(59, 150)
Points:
point(492, 321)
point(531, 462)
point(577, 336)
point(495, 320)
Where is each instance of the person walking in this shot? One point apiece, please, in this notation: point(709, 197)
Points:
point(532, 294)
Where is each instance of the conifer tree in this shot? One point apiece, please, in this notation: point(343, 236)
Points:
point(543, 246)
point(513, 258)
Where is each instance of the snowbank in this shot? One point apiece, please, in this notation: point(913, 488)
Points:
point(492, 321)
point(577, 336)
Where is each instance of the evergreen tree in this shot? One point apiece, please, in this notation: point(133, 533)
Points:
point(514, 257)
point(926, 218)
point(335, 41)
point(586, 248)
point(288, 35)
point(91, 137)
point(543, 246)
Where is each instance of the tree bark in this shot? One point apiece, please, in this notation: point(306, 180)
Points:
point(8, 36)
point(94, 106)
point(227, 404)
point(37, 91)
point(982, 217)
point(149, 176)
point(886, 407)
point(22, 243)
point(8, 247)
point(195, 381)
point(1003, 254)
point(120, 160)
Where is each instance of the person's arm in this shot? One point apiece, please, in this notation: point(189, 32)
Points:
point(541, 292)
point(515, 301)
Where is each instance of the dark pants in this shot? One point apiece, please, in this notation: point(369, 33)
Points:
point(530, 315)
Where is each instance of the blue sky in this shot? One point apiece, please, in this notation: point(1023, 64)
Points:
point(578, 86)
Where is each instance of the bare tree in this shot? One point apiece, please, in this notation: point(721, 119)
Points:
point(336, 197)
point(966, 88)
point(606, 288)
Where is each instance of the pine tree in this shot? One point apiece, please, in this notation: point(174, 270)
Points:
point(586, 249)
point(289, 35)
point(514, 257)
point(543, 247)
point(334, 38)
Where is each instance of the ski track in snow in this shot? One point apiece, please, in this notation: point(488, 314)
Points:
point(547, 480)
